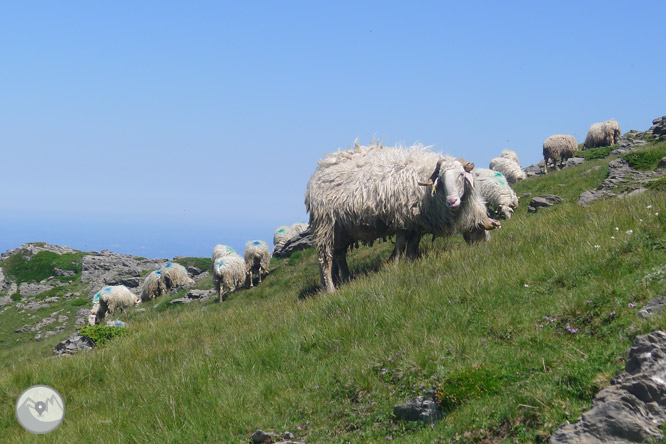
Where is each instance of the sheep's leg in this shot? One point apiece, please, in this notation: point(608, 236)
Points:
point(340, 258)
point(325, 271)
point(412, 248)
point(400, 245)
point(545, 166)
point(218, 289)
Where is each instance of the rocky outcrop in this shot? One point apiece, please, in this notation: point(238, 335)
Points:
point(300, 241)
point(73, 344)
point(34, 248)
point(633, 408)
point(423, 408)
point(261, 437)
point(107, 266)
point(543, 201)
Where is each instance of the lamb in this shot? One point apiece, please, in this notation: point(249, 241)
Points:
point(154, 286)
point(109, 299)
point(558, 146)
point(257, 257)
point(496, 191)
point(229, 271)
point(508, 165)
point(603, 134)
point(372, 192)
point(175, 275)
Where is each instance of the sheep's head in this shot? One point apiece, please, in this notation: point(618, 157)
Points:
point(452, 177)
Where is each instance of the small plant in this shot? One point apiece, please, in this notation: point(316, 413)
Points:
point(16, 297)
point(101, 334)
point(79, 302)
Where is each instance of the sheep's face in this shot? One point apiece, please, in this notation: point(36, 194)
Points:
point(454, 179)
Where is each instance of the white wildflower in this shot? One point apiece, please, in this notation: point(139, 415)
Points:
point(630, 231)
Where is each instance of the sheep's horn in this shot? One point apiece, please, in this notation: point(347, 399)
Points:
point(425, 184)
point(469, 166)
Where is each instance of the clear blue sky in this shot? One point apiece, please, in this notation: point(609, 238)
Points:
point(161, 128)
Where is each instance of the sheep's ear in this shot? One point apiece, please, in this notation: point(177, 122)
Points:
point(469, 178)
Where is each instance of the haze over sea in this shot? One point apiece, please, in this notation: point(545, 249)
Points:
point(163, 128)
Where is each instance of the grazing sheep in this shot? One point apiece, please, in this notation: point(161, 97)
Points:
point(603, 134)
point(228, 271)
point(299, 228)
point(175, 275)
point(257, 257)
point(281, 235)
point(109, 299)
point(558, 146)
point(372, 192)
point(154, 286)
point(508, 166)
point(511, 155)
point(496, 191)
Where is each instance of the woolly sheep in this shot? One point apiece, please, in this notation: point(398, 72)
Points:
point(558, 146)
point(603, 134)
point(154, 286)
point(496, 191)
point(175, 275)
point(371, 192)
point(228, 271)
point(509, 167)
point(299, 228)
point(257, 257)
point(109, 299)
point(511, 155)
point(281, 235)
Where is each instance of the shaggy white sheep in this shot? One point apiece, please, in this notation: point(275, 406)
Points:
point(558, 146)
point(257, 256)
point(496, 191)
point(229, 271)
point(371, 192)
point(154, 286)
point(509, 167)
point(299, 228)
point(281, 235)
point(511, 155)
point(175, 275)
point(603, 134)
point(109, 299)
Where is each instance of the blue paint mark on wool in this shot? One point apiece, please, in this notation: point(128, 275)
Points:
point(107, 289)
point(96, 297)
point(501, 182)
point(281, 230)
point(256, 243)
point(219, 262)
point(168, 265)
point(158, 272)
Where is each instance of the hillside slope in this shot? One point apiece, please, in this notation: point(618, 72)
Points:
point(517, 335)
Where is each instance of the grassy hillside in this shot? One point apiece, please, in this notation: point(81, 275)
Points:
point(517, 335)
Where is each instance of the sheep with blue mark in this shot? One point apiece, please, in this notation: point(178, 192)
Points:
point(109, 299)
point(257, 257)
point(175, 275)
point(496, 191)
point(507, 164)
point(154, 286)
point(229, 271)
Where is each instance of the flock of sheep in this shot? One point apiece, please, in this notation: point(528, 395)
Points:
point(369, 193)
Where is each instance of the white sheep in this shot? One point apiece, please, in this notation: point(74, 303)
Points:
point(257, 257)
point(508, 166)
point(371, 192)
point(229, 271)
point(281, 235)
point(154, 286)
point(175, 275)
point(496, 191)
point(299, 228)
point(109, 299)
point(603, 134)
point(511, 155)
point(558, 146)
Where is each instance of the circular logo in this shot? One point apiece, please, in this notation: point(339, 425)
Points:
point(40, 409)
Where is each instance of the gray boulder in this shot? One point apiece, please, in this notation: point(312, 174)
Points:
point(73, 344)
point(423, 408)
point(543, 201)
point(106, 266)
point(633, 407)
point(301, 241)
point(652, 308)
point(27, 289)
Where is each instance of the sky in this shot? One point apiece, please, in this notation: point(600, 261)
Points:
point(162, 128)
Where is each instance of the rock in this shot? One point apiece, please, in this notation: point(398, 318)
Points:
point(31, 305)
point(423, 408)
point(5, 300)
point(201, 276)
point(662, 163)
point(288, 435)
point(82, 317)
point(545, 200)
point(27, 289)
point(46, 321)
point(534, 170)
point(34, 248)
point(194, 271)
point(633, 193)
point(574, 161)
point(73, 344)
point(106, 266)
point(652, 308)
point(23, 329)
point(633, 407)
point(261, 437)
point(300, 241)
point(127, 281)
point(181, 301)
point(524, 195)
point(200, 294)
point(59, 272)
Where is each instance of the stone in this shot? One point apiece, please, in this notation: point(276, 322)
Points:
point(301, 241)
point(633, 193)
point(59, 272)
point(545, 200)
point(652, 308)
point(662, 163)
point(181, 301)
point(73, 344)
point(261, 437)
point(200, 294)
point(423, 408)
point(201, 276)
point(127, 281)
point(633, 407)
point(28, 289)
point(82, 317)
point(105, 266)
point(288, 435)
point(23, 329)
point(193, 271)
point(574, 161)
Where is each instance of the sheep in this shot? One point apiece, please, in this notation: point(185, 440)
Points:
point(229, 271)
point(281, 235)
point(109, 299)
point(372, 192)
point(558, 146)
point(603, 134)
point(511, 155)
point(175, 275)
point(299, 228)
point(507, 165)
point(153, 286)
point(257, 257)
point(496, 191)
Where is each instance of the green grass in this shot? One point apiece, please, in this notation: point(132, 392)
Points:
point(22, 267)
point(596, 153)
point(517, 335)
point(202, 263)
point(646, 159)
point(101, 334)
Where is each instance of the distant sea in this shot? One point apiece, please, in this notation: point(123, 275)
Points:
point(153, 240)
